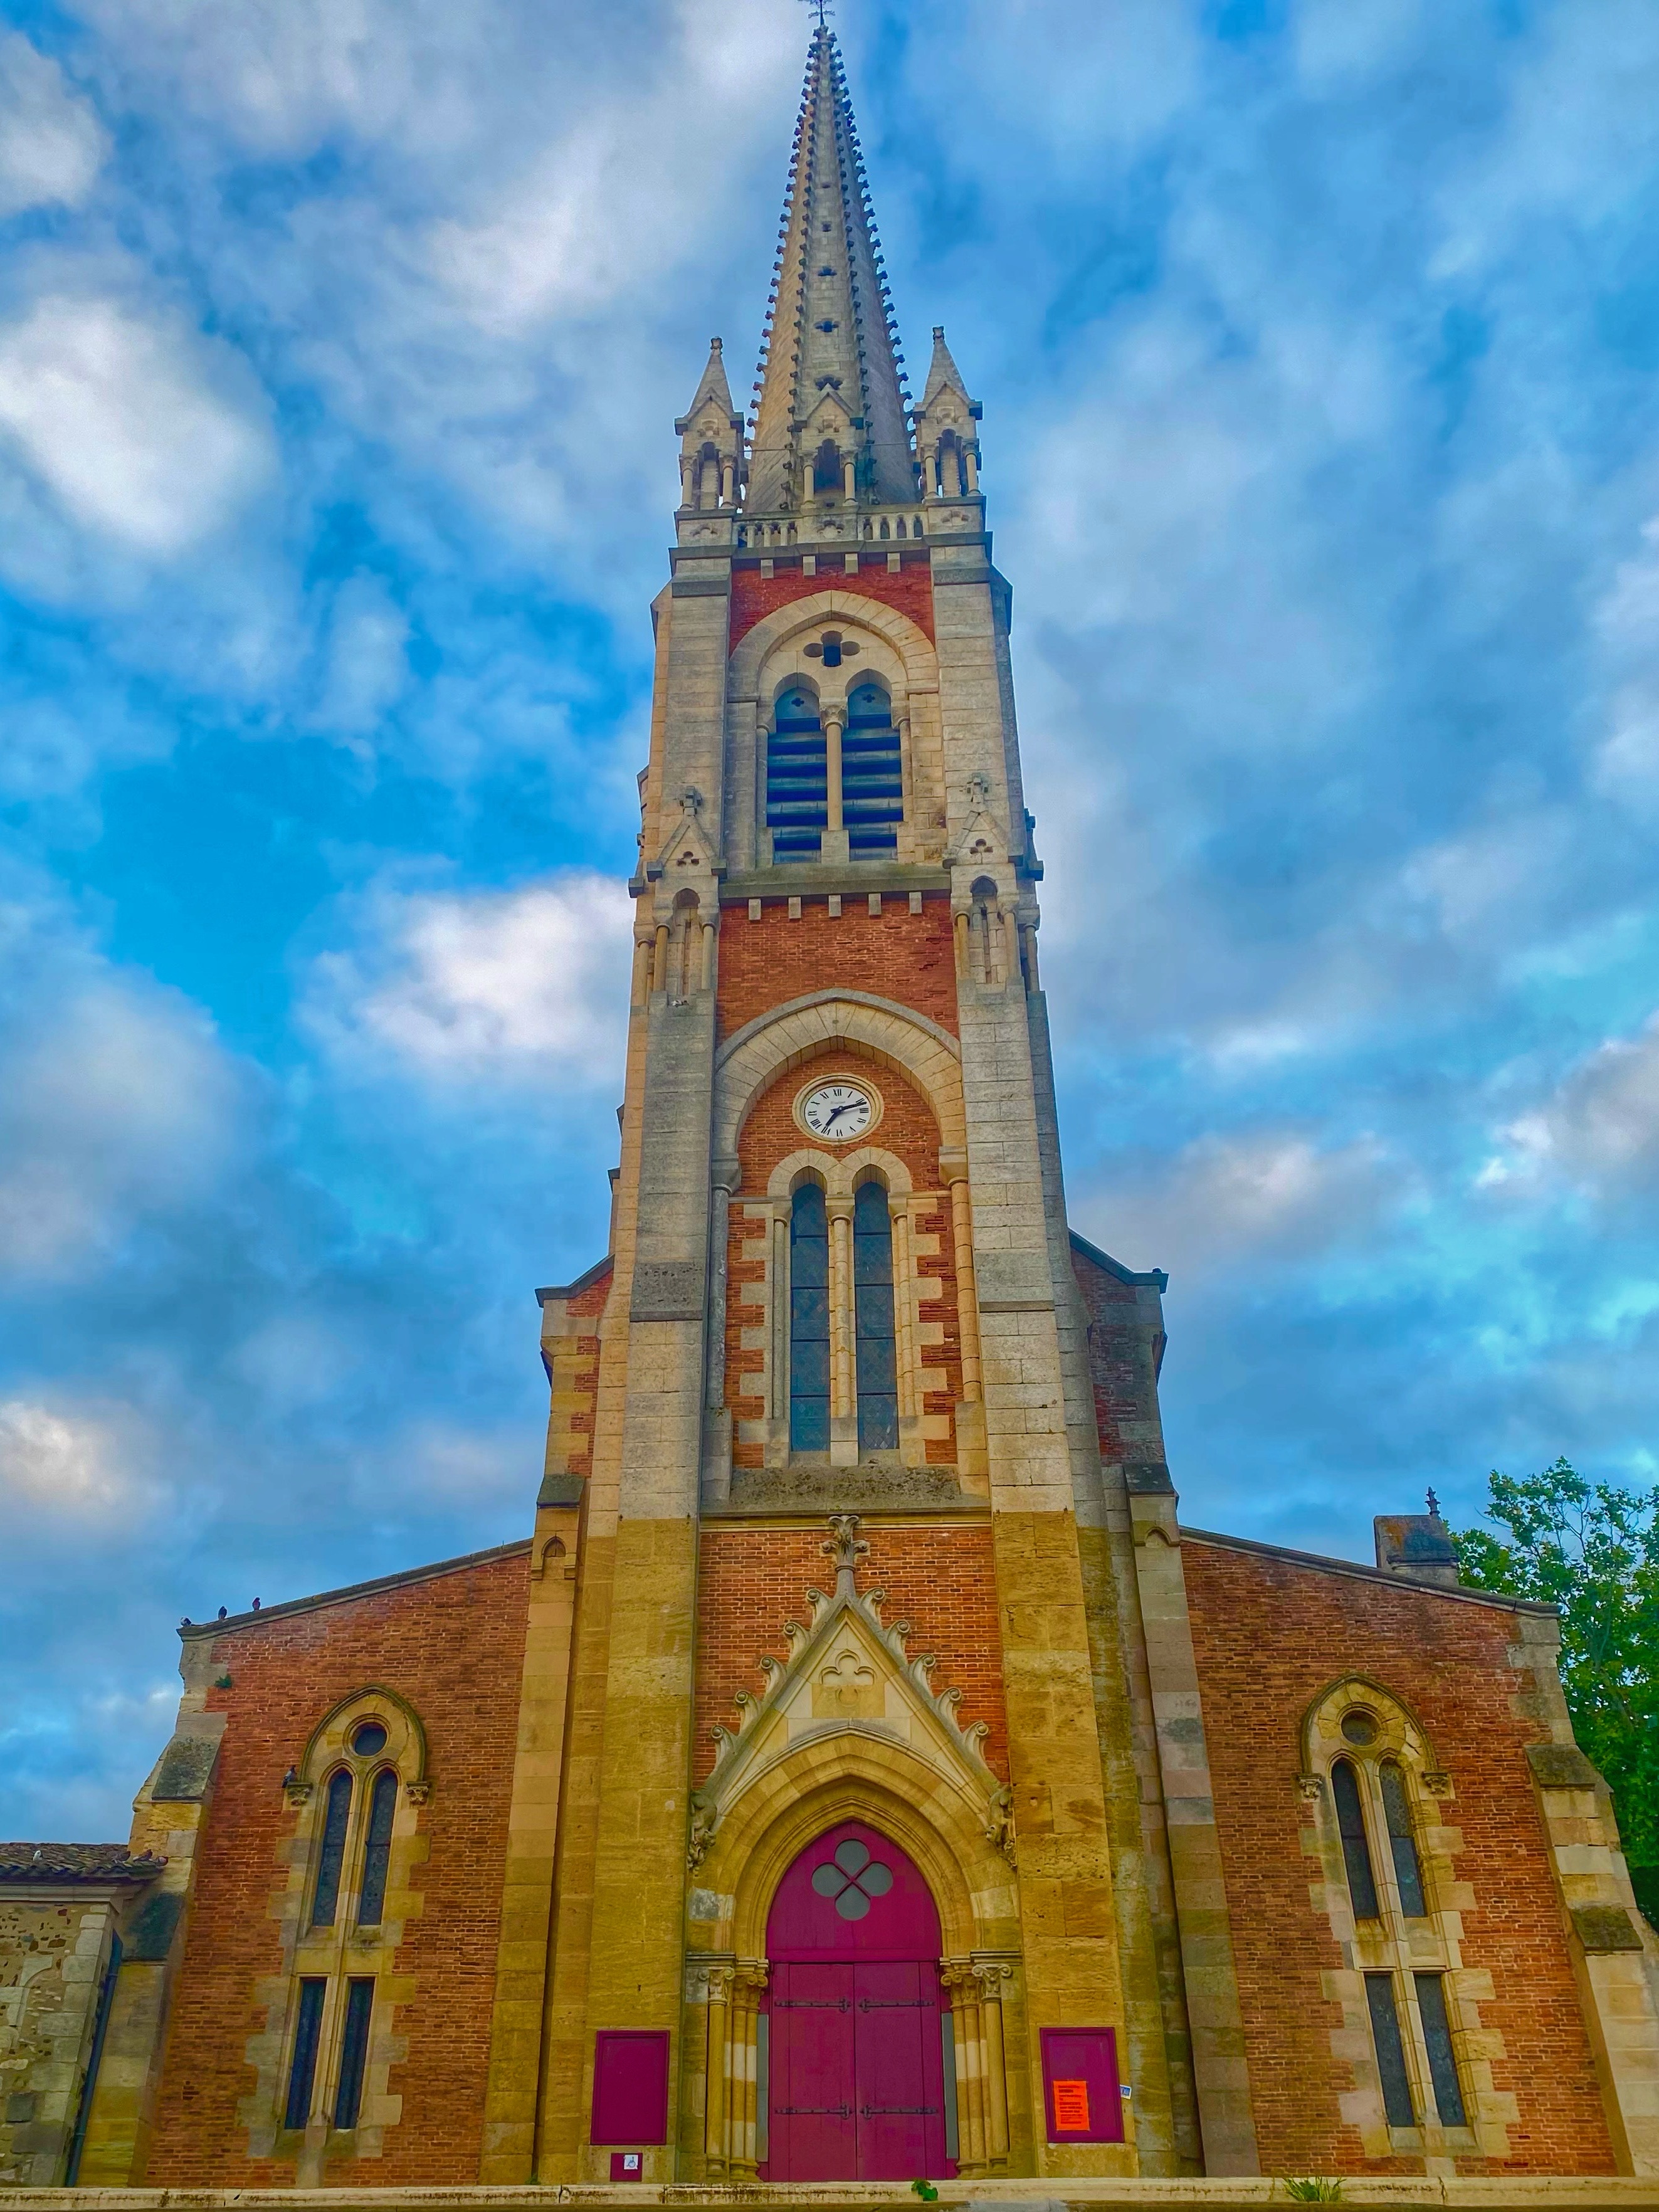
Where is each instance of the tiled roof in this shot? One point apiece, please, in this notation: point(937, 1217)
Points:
point(100, 1863)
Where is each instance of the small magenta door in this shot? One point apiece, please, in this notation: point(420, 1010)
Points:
point(857, 2067)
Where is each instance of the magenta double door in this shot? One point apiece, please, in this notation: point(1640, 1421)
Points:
point(857, 2071)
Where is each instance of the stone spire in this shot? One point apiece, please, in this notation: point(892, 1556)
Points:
point(830, 398)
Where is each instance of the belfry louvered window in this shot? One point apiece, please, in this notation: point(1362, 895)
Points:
point(797, 790)
point(872, 782)
point(874, 1359)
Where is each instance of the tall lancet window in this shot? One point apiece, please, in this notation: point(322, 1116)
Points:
point(876, 1366)
point(809, 1320)
point(871, 781)
point(797, 789)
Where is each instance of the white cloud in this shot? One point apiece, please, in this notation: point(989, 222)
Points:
point(51, 144)
point(141, 432)
point(1625, 764)
point(1338, 41)
point(116, 1102)
point(1111, 75)
point(368, 667)
point(515, 986)
point(1598, 1130)
point(451, 1466)
point(1582, 96)
point(1255, 1197)
point(277, 75)
point(64, 1466)
point(593, 218)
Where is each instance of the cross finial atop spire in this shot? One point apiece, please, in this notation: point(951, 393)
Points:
point(821, 9)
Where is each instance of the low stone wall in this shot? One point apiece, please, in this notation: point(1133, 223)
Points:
point(1484, 2193)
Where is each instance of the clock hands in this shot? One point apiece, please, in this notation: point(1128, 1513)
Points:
point(845, 1109)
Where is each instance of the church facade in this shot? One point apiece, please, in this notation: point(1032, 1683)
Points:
point(856, 1774)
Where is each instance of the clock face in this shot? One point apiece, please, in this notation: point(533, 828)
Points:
point(838, 1111)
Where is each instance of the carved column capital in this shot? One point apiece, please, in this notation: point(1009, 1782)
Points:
point(992, 1975)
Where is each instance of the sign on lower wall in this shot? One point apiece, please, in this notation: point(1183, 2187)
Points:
point(1080, 2085)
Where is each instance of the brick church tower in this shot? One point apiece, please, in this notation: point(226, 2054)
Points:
point(841, 1289)
point(858, 1775)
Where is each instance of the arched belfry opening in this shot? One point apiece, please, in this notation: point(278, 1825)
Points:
point(856, 2024)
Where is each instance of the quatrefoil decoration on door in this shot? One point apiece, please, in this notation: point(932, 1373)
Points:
point(853, 1879)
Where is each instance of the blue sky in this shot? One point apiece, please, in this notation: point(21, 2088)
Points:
point(340, 343)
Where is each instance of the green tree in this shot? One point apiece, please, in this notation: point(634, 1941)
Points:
point(1592, 1549)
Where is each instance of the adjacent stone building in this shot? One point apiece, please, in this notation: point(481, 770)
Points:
point(857, 1773)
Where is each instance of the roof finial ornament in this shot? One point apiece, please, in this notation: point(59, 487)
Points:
point(821, 9)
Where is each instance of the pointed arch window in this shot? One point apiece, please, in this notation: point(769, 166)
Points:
point(366, 1759)
point(1407, 1986)
point(875, 1366)
point(796, 785)
point(809, 1320)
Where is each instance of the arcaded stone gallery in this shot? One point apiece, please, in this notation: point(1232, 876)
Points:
point(857, 1773)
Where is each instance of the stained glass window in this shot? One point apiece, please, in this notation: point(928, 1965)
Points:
point(809, 1320)
point(325, 1897)
point(377, 1852)
point(302, 2069)
point(1437, 2035)
point(1397, 1812)
point(1390, 2051)
point(1356, 1850)
point(872, 1301)
point(353, 2049)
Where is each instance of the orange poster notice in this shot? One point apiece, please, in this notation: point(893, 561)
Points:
point(1071, 2107)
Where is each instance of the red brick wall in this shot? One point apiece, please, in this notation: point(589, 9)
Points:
point(907, 1129)
point(897, 954)
point(754, 596)
point(940, 1579)
point(453, 1646)
point(1120, 1360)
point(1270, 1636)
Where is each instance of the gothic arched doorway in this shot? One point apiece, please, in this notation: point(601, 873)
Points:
point(857, 2085)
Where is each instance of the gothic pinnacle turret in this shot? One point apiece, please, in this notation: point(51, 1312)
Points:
point(711, 439)
point(830, 419)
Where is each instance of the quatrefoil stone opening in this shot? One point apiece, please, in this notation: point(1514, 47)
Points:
point(853, 1878)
